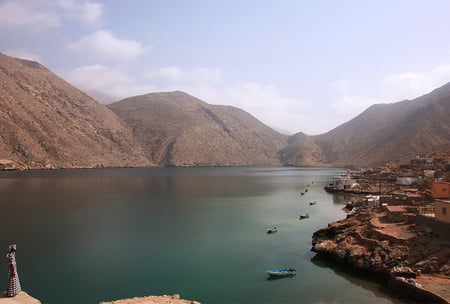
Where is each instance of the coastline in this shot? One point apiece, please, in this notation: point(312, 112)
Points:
point(366, 241)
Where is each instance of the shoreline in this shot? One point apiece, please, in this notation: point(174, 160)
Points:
point(366, 242)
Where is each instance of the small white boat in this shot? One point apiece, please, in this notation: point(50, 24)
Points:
point(272, 230)
point(284, 272)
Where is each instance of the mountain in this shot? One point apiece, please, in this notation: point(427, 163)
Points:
point(47, 123)
point(176, 129)
point(386, 132)
point(301, 151)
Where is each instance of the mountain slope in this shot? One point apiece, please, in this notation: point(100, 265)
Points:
point(301, 151)
point(47, 123)
point(177, 129)
point(387, 132)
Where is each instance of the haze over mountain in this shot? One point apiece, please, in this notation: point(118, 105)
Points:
point(177, 129)
point(47, 123)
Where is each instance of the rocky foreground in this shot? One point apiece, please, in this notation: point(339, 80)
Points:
point(172, 299)
point(409, 256)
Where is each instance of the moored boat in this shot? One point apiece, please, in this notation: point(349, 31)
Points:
point(272, 230)
point(303, 216)
point(284, 272)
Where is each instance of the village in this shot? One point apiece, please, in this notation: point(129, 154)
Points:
point(410, 192)
point(397, 225)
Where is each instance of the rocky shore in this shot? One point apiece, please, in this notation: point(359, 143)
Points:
point(165, 299)
point(410, 257)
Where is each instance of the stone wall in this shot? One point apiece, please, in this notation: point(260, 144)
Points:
point(441, 228)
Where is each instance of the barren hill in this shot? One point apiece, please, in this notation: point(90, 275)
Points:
point(301, 151)
point(177, 129)
point(47, 123)
point(387, 132)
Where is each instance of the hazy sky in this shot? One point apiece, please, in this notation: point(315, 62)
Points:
point(295, 65)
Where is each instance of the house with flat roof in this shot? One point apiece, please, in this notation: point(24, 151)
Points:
point(442, 210)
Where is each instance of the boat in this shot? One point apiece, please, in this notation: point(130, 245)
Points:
point(312, 203)
point(303, 216)
point(284, 272)
point(272, 230)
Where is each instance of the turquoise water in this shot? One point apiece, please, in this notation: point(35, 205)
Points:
point(86, 236)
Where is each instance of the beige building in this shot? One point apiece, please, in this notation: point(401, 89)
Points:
point(442, 210)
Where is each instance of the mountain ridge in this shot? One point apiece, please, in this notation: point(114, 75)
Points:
point(177, 129)
point(389, 132)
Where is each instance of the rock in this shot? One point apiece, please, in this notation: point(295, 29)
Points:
point(364, 242)
point(21, 298)
point(165, 299)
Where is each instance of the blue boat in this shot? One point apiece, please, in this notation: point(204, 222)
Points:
point(284, 272)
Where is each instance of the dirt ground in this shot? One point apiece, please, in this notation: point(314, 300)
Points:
point(436, 284)
point(401, 231)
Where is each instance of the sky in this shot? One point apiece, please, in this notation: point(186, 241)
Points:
point(296, 65)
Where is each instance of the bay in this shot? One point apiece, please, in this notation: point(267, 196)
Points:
point(85, 236)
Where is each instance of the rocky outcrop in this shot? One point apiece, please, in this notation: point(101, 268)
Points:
point(21, 298)
point(351, 241)
point(366, 241)
point(173, 299)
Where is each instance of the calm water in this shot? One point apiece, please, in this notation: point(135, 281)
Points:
point(85, 236)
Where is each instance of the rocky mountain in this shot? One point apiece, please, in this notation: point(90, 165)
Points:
point(47, 123)
point(383, 132)
point(177, 129)
point(301, 151)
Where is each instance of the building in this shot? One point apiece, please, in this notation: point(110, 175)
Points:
point(406, 180)
point(342, 182)
point(442, 210)
point(441, 189)
point(395, 214)
point(422, 160)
